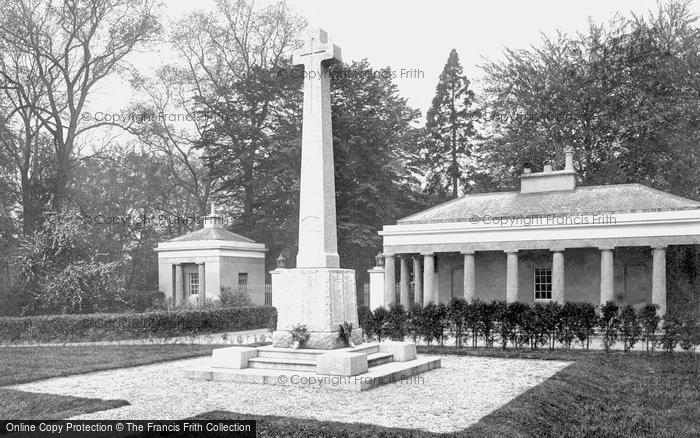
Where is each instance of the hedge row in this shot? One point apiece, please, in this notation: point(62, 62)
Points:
point(528, 325)
point(120, 326)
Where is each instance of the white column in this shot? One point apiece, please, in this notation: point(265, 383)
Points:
point(376, 287)
point(558, 276)
point(428, 278)
point(607, 276)
point(658, 279)
point(202, 284)
point(417, 281)
point(389, 279)
point(405, 286)
point(179, 284)
point(469, 276)
point(512, 276)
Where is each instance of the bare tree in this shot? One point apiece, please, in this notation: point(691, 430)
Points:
point(55, 53)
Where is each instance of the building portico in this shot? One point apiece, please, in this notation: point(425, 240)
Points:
point(551, 241)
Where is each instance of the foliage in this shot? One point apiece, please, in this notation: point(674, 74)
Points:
point(380, 318)
point(457, 317)
point(116, 326)
point(364, 318)
point(396, 322)
point(62, 272)
point(630, 330)
point(623, 95)
point(300, 333)
point(345, 333)
point(450, 128)
point(609, 323)
point(649, 321)
point(234, 298)
point(414, 322)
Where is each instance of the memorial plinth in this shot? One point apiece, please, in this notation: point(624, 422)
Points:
point(320, 298)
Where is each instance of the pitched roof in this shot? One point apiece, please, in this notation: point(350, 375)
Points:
point(212, 233)
point(620, 198)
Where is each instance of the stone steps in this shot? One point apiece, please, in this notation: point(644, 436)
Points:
point(277, 363)
point(366, 349)
point(306, 359)
point(376, 359)
point(288, 353)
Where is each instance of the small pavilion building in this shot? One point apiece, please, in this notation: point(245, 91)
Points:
point(550, 241)
point(197, 266)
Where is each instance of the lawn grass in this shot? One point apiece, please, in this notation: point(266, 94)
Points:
point(26, 364)
point(600, 394)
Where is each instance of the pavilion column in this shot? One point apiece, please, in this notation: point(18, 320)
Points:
point(558, 276)
point(389, 279)
point(202, 285)
point(658, 279)
point(469, 276)
point(405, 286)
point(607, 276)
point(179, 284)
point(417, 281)
point(428, 278)
point(512, 276)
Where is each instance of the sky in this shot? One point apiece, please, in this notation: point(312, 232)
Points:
point(418, 35)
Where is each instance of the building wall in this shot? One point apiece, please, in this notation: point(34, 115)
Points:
point(582, 275)
point(254, 267)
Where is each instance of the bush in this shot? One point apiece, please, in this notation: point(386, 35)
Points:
point(117, 326)
point(364, 319)
point(379, 323)
point(231, 298)
point(457, 317)
point(629, 327)
point(396, 322)
point(586, 321)
point(609, 323)
point(649, 321)
point(414, 322)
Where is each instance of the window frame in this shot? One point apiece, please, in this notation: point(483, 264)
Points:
point(535, 277)
point(191, 283)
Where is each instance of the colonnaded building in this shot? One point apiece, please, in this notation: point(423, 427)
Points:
point(550, 241)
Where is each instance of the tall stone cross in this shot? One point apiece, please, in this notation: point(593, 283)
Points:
point(318, 240)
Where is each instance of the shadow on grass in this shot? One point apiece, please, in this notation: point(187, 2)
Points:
point(20, 405)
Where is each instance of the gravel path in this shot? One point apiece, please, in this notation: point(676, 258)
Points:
point(444, 400)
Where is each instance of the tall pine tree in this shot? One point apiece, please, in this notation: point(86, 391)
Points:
point(450, 128)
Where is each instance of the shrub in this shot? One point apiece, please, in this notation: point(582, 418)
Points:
point(364, 319)
point(414, 321)
point(396, 322)
point(231, 298)
point(670, 336)
point(609, 323)
point(117, 326)
point(568, 323)
point(379, 321)
point(629, 327)
point(472, 318)
point(586, 321)
point(487, 322)
point(434, 322)
point(456, 315)
point(534, 330)
point(649, 321)
point(550, 320)
point(513, 319)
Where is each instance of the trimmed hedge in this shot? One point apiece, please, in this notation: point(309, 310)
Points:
point(535, 325)
point(120, 326)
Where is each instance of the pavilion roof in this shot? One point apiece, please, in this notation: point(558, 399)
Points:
point(212, 233)
point(619, 198)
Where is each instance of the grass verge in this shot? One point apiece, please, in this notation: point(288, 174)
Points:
point(26, 364)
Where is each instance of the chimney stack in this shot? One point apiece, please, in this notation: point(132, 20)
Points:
point(569, 162)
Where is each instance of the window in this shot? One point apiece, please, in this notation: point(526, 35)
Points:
point(194, 283)
point(543, 283)
point(243, 281)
